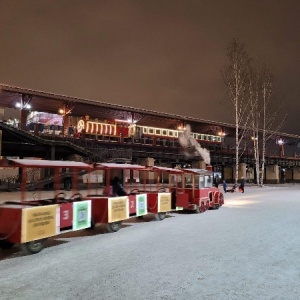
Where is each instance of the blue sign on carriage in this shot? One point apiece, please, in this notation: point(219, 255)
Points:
point(141, 205)
point(81, 215)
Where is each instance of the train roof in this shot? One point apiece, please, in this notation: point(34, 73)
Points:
point(198, 171)
point(102, 166)
point(39, 163)
point(165, 169)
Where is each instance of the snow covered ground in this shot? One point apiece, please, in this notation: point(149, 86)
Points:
point(247, 249)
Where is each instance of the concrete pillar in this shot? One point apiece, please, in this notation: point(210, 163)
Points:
point(66, 124)
point(52, 155)
point(23, 119)
point(272, 174)
point(242, 170)
point(296, 174)
point(228, 174)
point(250, 173)
point(289, 175)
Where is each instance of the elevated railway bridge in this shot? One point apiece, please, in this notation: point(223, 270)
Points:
point(51, 126)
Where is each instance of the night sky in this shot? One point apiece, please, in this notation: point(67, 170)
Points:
point(163, 55)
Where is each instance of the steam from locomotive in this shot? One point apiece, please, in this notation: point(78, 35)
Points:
point(191, 146)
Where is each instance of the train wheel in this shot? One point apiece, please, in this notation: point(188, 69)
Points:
point(4, 244)
point(33, 246)
point(197, 210)
point(114, 226)
point(216, 206)
point(221, 199)
point(202, 207)
point(207, 205)
point(160, 216)
point(216, 200)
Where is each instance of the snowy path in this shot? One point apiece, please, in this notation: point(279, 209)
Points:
point(248, 249)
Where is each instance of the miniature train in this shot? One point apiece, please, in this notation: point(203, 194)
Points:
point(148, 190)
point(113, 128)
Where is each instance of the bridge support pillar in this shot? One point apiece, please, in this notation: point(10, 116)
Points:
point(242, 170)
point(272, 174)
point(52, 157)
point(296, 174)
point(23, 118)
point(66, 124)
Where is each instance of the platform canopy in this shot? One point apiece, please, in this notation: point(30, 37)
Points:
point(11, 97)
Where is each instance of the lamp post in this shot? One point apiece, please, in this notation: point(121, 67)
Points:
point(24, 106)
point(281, 147)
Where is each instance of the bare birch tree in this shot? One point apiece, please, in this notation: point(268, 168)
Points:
point(265, 120)
point(255, 114)
point(236, 78)
point(273, 118)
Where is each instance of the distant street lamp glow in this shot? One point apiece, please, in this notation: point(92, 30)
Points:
point(26, 106)
point(280, 142)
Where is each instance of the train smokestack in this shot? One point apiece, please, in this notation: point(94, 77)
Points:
point(209, 168)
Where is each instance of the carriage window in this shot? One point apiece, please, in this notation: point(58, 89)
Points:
point(205, 137)
point(201, 182)
point(145, 129)
point(188, 181)
point(157, 132)
point(151, 130)
point(214, 138)
point(207, 181)
point(209, 137)
point(195, 135)
point(219, 139)
point(164, 132)
point(176, 133)
point(170, 133)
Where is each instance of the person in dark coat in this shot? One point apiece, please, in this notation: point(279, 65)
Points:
point(224, 186)
point(242, 185)
point(118, 188)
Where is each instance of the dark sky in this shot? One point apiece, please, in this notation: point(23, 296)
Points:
point(163, 55)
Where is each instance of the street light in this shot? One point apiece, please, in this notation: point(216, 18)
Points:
point(23, 106)
point(281, 146)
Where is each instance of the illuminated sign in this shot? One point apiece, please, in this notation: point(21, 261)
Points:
point(118, 209)
point(39, 222)
point(82, 214)
point(141, 205)
point(164, 202)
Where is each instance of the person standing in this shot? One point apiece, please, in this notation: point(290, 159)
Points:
point(242, 185)
point(118, 189)
point(224, 186)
